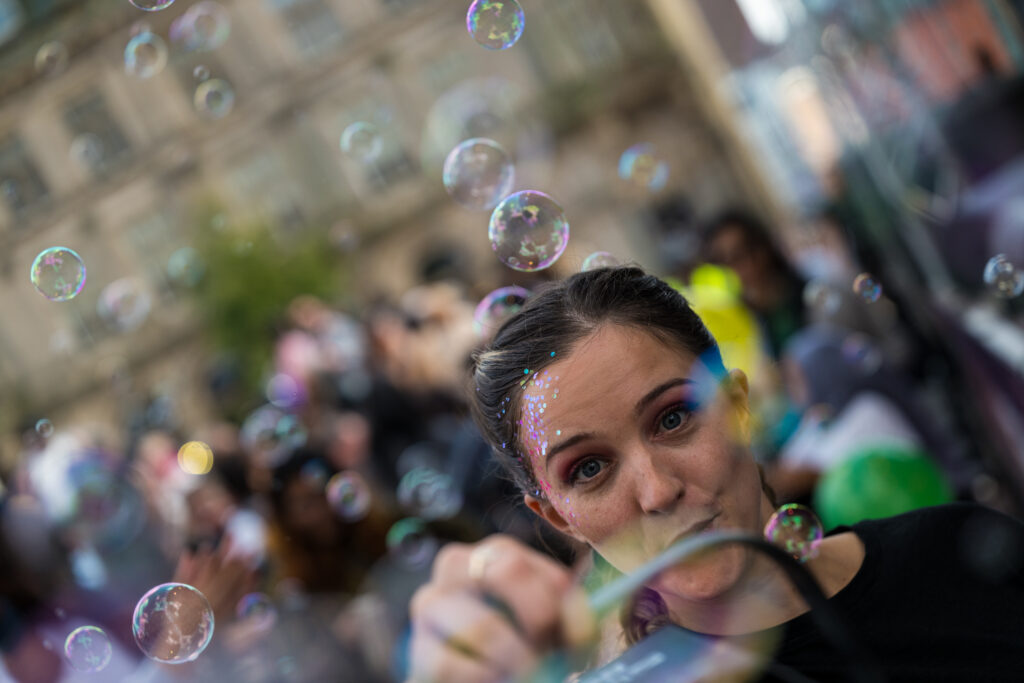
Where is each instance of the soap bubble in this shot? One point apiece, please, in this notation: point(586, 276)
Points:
point(51, 58)
point(822, 297)
point(641, 166)
point(124, 304)
point(429, 494)
point(152, 5)
point(58, 273)
point(1003, 278)
point(205, 26)
point(173, 623)
point(145, 55)
point(478, 173)
point(184, 267)
point(87, 150)
point(497, 307)
point(494, 24)
point(195, 457)
point(867, 288)
point(44, 428)
point(599, 259)
point(284, 392)
point(411, 544)
point(797, 530)
point(200, 73)
point(349, 496)
point(362, 140)
point(257, 612)
point(272, 434)
point(214, 98)
point(528, 231)
point(88, 649)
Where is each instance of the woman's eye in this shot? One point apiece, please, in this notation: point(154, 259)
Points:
point(588, 469)
point(672, 419)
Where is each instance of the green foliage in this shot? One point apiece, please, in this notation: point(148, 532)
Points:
point(251, 275)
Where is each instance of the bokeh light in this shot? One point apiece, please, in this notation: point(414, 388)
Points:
point(528, 231)
point(44, 428)
point(1003, 278)
point(214, 98)
point(349, 496)
point(867, 288)
point(205, 26)
point(58, 273)
point(641, 166)
point(195, 457)
point(124, 304)
point(173, 623)
point(257, 612)
point(51, 58)
point(411, 544)
point(478, 173)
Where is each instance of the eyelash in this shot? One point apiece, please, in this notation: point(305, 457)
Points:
point(688, 409)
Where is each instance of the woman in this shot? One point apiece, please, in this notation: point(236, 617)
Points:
point(606, 400)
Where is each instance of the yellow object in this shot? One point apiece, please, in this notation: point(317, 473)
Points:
point(195, 457)
point(714, 294)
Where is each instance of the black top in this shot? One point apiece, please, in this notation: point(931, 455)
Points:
point(940, 597)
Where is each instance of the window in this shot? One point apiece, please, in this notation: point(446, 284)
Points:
point(314, 27)
point(21, 186)
point(97, 140)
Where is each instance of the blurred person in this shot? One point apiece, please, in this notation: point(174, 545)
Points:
point(646, 444)
point(852, 401)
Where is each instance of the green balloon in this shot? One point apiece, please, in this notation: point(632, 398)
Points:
point(879, 482)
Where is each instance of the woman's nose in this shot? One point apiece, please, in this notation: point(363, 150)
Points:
point(658, 491)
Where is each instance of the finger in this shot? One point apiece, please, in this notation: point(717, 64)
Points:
point(434, 662)
point(464, 623)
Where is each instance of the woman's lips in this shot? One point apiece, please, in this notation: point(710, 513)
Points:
point(698, 528)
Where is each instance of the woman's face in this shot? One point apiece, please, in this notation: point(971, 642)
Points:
point(635, 444)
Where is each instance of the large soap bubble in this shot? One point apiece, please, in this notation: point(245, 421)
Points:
point(528, 231)
point(173, 623)
point(797, 530)
point(478, 173)
point(58, 273)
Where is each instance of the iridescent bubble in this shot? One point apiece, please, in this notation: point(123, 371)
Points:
point(362, 140)
point(820, 296)
point(195, 457)
point(429, 494)
point(1003, 278)
point(124, 304)
point(497, 307)
point(51, 58)
point(797, 530)
point(411, 543)
point(203, 27)
point(862, 353)
point(87, 150)
point(145, 55)
point(478, 173)
point(272, 434)
point(88, 649)
point(642, 166)
point(257, 612)
point(200, 73)
point(494, 24)
point(528, 231)
point(214, 98)
point(44, 428)
point(184, 267)
point(867, 288)
point(284, 392)
point(152, 5)
point(349, 496)
point(173, 623)
point(599, 259)
point(58, 273)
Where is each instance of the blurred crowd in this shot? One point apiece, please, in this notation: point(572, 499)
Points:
point(330, 498)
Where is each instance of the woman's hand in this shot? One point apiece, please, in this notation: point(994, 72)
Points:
point(491, 611)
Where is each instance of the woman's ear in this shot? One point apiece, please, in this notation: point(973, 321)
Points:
point(738, 391)
point(546, 511)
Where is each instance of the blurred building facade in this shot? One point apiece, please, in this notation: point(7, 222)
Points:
point(588, 80)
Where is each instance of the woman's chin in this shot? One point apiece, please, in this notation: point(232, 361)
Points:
point(702, 580)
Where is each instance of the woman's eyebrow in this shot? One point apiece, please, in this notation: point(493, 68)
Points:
point(657, 391)
point(571, 441)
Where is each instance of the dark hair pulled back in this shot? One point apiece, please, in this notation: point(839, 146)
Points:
point(551, 323)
